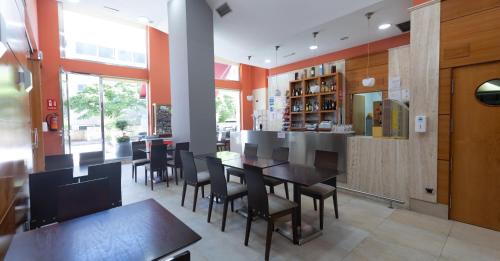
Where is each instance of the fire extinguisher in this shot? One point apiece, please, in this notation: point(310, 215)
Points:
point(52, 121)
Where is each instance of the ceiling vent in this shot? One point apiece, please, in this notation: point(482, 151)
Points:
point(404, 27)
point(223, 10)
point(288, 55)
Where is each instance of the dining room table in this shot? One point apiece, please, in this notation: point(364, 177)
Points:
point(299, 175)
point(140, 231)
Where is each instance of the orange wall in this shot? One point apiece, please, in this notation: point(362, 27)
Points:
point(159, 67)
point(31, 21)
point(376, 46)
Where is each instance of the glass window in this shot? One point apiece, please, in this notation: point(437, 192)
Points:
point(366, 112)
point(227, 108)
point(95, 39)
point(489, 92)
point(227, 71)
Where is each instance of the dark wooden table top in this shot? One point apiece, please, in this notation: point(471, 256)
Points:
point(236, 160)
point(300, 174)
point(139, 231)
point(223, 155)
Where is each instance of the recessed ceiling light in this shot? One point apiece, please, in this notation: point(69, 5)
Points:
point(313, 47)
point(267, 61)
point(384, 26)
point(143, 20)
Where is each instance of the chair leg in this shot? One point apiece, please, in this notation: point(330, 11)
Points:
point(286, 190)
point(184, 187)
point(135, 174)
point(166, 177)
point(336, 205)
point(232, 205)
point(133, 167)
point(294, 226)
point(228, 176)
point(241, 180)
point(269, 237)
point(315, 206)
point(175, 173)
point(224, 215)
point(145, 176)
point(271, 189)
point(249, 224)
point(203, 191)
point(210, 205)
point(152, 178)
point(321, 213)
point(195, 197)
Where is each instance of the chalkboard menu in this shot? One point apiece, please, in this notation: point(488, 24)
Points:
point(162, 120)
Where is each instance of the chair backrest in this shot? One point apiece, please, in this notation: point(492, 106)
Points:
point(184, 256)
point(43, 195)
point(250, 150)
point(84, 198)
point(257, 193)
point(113, 172)
point(158, 157)
point(217, 180)
point(189, 167)
point(137, 146)
point(179, 147)
point(62, 161)
point(90, 158)
point(156, 142)
point(326, 159)
point(280, 153)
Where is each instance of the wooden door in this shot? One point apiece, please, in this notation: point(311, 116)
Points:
point(358, 114)
point(36, 116)
point(475, 175)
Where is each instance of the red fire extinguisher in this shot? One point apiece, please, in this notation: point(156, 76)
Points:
point(52, 121)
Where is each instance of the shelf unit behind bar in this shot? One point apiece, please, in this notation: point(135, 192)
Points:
point(325, 104)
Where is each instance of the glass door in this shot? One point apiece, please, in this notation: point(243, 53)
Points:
point(82, 113)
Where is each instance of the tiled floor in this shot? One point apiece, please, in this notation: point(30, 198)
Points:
point(365, 230)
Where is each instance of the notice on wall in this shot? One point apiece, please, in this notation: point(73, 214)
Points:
point(281, 134)
point(394, 90)
point(271, 103)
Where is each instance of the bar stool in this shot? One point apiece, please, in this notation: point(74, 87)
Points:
point(249, 151)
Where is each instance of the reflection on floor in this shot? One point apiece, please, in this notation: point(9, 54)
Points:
point(366, 230)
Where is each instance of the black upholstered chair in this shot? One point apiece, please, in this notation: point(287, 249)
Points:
point(113, 172)
point(158, 163)
point(62, 161)
point(226, 191)
point(268, 206)
point(84, 198)
point(139, 156)
point(280, 154)
point(192, 177)
point(91, 158)
point(176, 162)
point(250, 150)
point(321, 191)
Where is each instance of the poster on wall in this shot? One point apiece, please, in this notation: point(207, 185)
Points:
point(271, 103)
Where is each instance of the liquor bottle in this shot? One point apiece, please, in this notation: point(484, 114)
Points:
point(313, 71)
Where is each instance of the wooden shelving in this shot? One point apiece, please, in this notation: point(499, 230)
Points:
point(314, 99)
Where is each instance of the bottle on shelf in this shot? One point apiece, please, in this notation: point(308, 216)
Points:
point(313, 72)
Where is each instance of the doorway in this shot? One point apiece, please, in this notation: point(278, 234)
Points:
point(93, 109)
point(475, 174)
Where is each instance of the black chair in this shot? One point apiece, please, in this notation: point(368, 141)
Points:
point(249, 151)
point(192, 177)
point(62, 161)
point(268, 206)
point(84, 198)
point(184, 256)
point(139, 156)
point(43, 195)
point(91, 158)
point(176, 162)
point(321, 191)
point(113, 172)
point(156, 142)
point(280, 154)
point(227, 192)
point(157, 164)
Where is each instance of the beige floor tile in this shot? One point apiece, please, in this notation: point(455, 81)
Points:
point(477, 235)
point(456, 249)
point(376, 249)
point(429, 223)
point(409, 236)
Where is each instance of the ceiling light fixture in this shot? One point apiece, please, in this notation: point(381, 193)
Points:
point(314, 46)
point(384, 26)
point(368, 81)
point(143, 20)
point(267, 61)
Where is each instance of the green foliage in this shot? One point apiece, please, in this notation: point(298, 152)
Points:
point(123, 139)
point(121, 124)
point(225, 108)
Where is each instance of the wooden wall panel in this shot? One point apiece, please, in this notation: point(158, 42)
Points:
point(361, 62)
point(444, 91)
point(443, 182)
point(424, 92)
point(471, 39)
point(354, 78)
point(451, 9)
point(444, 137)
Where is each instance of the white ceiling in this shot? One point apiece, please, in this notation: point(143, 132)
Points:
point(254, 27)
